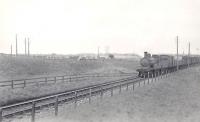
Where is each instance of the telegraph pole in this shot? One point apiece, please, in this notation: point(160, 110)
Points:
point(98, 53)
point(189, 54)
point(11, 50)
point(177, 55)
point(25, 45)
point(16, 46)
point(28, 47)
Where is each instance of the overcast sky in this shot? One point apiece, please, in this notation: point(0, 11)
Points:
point(80, 26)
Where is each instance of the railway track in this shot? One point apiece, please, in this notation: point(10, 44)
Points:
point(54, 100)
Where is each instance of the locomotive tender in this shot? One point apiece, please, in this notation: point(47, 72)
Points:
point(152, 65)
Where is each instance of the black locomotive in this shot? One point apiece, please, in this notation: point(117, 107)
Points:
point(152, 65)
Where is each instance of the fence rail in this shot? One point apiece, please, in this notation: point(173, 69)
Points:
point(22, 83)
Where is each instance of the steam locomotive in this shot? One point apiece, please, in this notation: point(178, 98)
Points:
point(152, 65)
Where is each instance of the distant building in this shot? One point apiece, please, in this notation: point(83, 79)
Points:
point(87, 57)
point(126, 56)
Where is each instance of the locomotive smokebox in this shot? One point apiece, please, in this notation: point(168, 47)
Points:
point(147, 61)
point(144, 62)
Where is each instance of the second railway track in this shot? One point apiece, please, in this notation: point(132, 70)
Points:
point(31, 106)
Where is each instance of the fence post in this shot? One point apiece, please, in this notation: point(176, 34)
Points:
point(120, 88)
point(33, 112)
point(111, 91)
point(158, 75)
point(101, 92)
point(90, 95)
point(166, 73)
point(12, 84)
point(75, 99)
point(54, 79)
point(148, 77)
point(24, 83)
point(46, 80)
point(127, 87)
point(56, 106)
point(144, 79)
point(152, 77)
point(1, 115)
point(69, 78)
point(63, 78)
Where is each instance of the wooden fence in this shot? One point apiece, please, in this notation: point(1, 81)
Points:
point(22, 83)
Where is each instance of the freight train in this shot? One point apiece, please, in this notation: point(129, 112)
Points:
point(152, 65)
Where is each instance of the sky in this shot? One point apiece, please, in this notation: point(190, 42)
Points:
point(81, 26)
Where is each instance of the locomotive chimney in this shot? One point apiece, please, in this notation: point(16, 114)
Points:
point(145, 54)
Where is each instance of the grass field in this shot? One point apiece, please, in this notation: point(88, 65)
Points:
point(28, 67)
